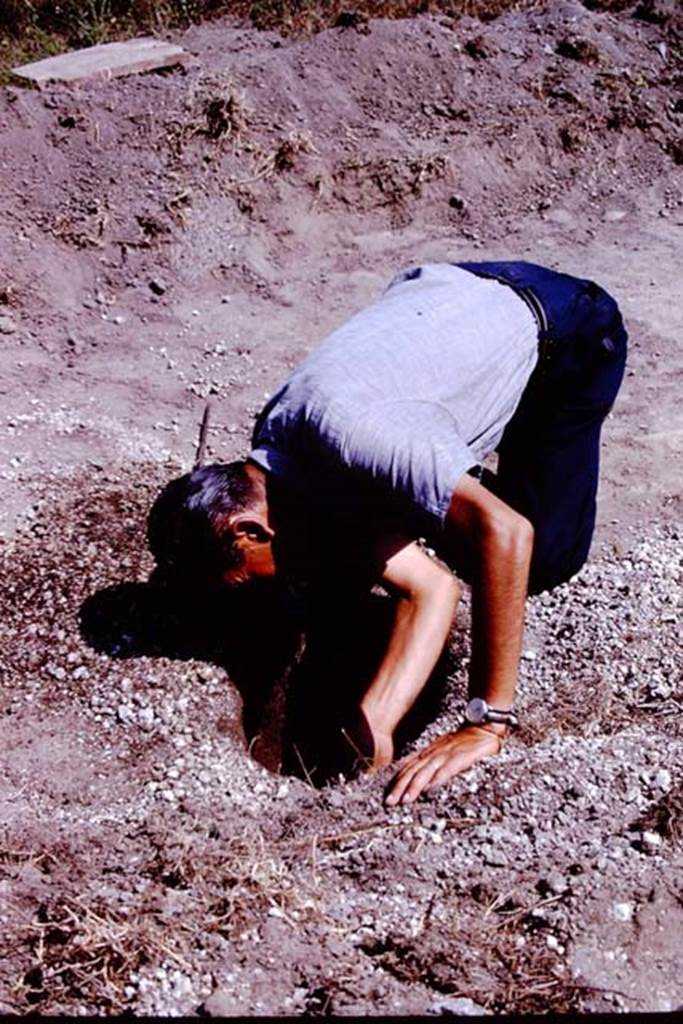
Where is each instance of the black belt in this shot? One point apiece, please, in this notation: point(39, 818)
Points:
point(535, 306)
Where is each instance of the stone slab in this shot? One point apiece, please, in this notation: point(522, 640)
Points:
point(109, 60)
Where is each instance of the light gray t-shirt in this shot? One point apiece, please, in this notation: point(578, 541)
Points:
point(393, 407)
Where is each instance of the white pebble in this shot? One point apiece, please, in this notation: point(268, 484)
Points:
point(145, 718)
point(124, 713)
point(623, 911)
point(662, 779)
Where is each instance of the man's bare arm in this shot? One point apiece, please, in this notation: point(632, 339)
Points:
point(502, 542)
point(426, 595)
point(499, 543)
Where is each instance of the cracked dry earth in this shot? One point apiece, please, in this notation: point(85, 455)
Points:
point(172, 236)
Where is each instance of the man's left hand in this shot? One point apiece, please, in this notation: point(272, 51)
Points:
point(384, 752)
point(441, 760)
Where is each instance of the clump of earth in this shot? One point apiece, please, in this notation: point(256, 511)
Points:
point(177, 236)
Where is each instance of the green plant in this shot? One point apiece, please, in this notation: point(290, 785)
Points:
point(88, 21)
point(15, 52)
point(16, 16)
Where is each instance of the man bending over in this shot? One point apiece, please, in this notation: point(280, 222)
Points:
point(377, 440)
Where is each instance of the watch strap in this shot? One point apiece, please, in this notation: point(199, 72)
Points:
point(502, 717)
point(478, 711)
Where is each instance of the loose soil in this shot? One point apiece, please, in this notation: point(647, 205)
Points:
point(191, 234)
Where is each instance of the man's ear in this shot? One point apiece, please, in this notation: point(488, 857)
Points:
point(251, 526)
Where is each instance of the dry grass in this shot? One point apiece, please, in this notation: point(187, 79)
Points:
point(82, 951)
point(314, 15)
point(83, 229)
point(86, 953)
point(495, 955)
point(390, 181)
point(266, 163)
point(216, 110)
point(236, 881)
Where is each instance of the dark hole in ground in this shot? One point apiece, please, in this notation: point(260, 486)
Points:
point(255, 635)
point(303, 663)
point(319, 1002)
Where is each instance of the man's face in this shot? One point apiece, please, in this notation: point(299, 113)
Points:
point(213, 578)
point(250, 569)
point(255, 551)
point(209, 567)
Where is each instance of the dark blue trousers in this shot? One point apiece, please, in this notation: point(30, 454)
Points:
point(548, 457)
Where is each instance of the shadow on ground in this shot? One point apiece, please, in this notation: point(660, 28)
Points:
point(307, 669)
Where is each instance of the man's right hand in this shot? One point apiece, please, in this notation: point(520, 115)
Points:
point(443, 759)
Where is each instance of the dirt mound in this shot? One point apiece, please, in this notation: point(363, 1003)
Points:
point(188, 234)
point(151, 864)
point(484, 123)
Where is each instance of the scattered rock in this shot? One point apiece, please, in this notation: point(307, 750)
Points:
point(623, 911)
point(7, 324)
point(175, 811)
point(125, 714)
point(145, 718)
point(651, 841)
point(559, 216)
point(457, 1006)
point(158, 284)
point(219, 1004)
point(662, 779)
point(613, 216)
point(76, 344)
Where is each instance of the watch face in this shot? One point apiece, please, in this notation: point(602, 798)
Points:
point(476, 711)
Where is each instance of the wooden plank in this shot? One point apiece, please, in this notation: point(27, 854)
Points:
point(109, 60)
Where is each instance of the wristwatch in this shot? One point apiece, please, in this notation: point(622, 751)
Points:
point(478, 712)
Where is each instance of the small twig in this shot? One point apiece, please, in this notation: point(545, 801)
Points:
point(173, 955)
point(305, 770)
point(203, 431)
point(515, 915)
point(358, 752)
point(314, 859)
point(380, 826)
point(497, 902)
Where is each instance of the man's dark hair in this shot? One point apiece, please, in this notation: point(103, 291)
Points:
point(184, 525)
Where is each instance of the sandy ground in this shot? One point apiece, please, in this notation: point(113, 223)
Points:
point(192, 234)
